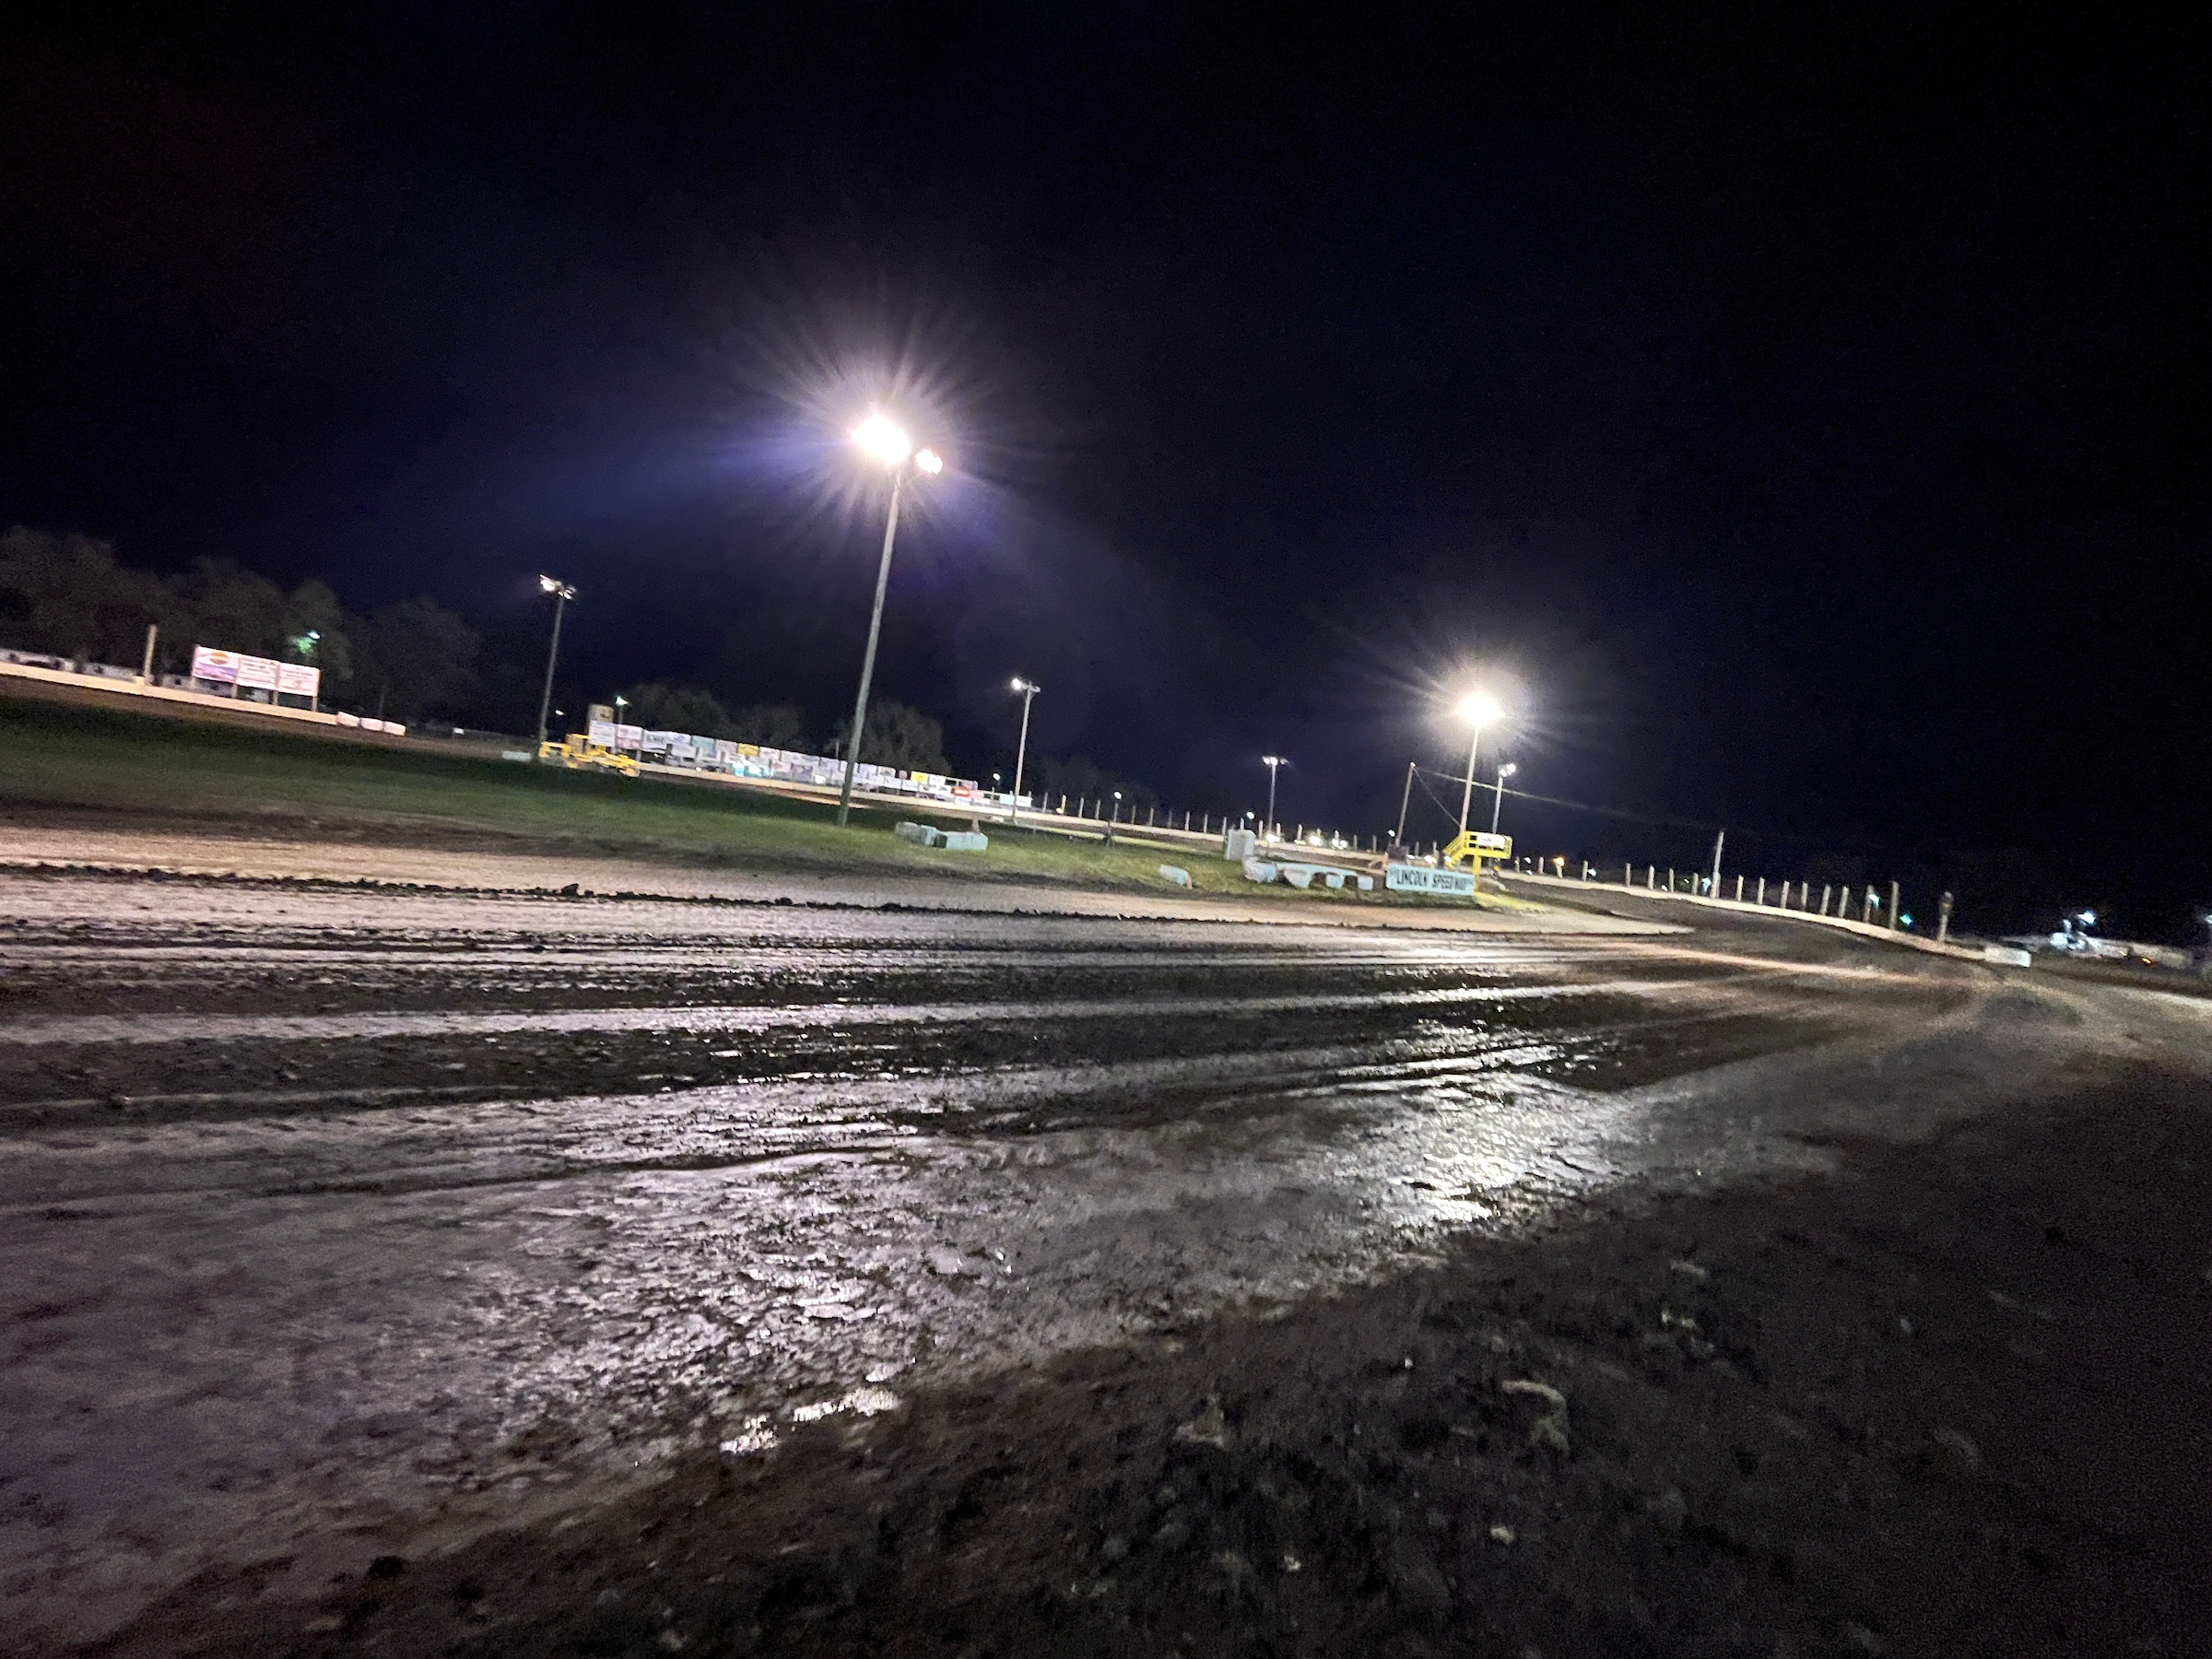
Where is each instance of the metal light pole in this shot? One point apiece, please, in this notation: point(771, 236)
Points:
point(885, 442)
point(620, 703)
point(562, 593)
point(1274, 763)
point(1404, 801)
point(1480, 708)
point(1028, 689)
point(1499, 805)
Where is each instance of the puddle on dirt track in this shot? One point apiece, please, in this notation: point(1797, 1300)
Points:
point(341, 1214)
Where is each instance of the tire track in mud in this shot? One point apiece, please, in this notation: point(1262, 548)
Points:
point(280, 1270)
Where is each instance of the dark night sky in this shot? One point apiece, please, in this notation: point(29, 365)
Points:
point(1801, 412)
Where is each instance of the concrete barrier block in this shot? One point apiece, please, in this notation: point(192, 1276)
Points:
point(2006, 956)
point(1176, 874)
point(963, 840)
point(1259, 869)
point(921, 835)
point(1239, 846)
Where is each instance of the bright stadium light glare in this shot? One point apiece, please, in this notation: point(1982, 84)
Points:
point(884, 440)
point(1480, 706)
point(929, 461)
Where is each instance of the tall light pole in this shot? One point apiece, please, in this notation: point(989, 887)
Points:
point(620, 703)
point(1275, 764)
point(883, 441)
point(1497, 805)
point(562, 593)
point(1028, 689)
point(1478, 709)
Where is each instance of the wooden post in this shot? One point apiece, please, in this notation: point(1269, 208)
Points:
point(1763, 891)
point(1893, 907)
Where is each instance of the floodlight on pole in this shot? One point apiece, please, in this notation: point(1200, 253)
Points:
point(1275, 764)
point(1497, 805)
point(562, 593)
point(1028, 689)
point(883, 440)
point(1478, 709)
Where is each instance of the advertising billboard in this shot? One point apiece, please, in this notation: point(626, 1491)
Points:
point(297, 679)
point(210, 663)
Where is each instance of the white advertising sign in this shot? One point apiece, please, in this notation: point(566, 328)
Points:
point(297, 679)
point(602, 732)
point(1420, 879)
point(257, 672)
point(629, 736)
point(210, 663)
point(656, 743)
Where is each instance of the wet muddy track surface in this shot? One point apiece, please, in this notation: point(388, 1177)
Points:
point(339, 1215)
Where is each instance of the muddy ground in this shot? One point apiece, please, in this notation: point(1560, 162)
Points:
point(1952, 1400)
point(420, 1273)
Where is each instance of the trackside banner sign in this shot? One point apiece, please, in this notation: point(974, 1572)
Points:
point(210, 663)
point(1420, 879)
point(266, 674)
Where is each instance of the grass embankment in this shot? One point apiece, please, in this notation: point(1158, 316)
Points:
point(56, 758)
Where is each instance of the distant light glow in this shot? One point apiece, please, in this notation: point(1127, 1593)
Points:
point(1508, 769)
point(929, 461)
point(882, 439)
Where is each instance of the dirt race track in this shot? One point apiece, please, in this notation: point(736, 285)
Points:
point(510, 1273)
